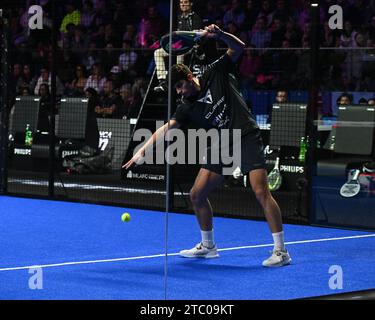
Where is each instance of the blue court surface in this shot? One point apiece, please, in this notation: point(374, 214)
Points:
point(85, 252)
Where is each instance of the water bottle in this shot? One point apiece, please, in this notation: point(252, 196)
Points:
point(28, 136)
point(302, 149)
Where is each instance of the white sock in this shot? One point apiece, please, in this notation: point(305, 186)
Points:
point(208, 238)
point(278, 239)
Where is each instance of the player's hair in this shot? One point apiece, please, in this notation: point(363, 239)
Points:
point(179, 72)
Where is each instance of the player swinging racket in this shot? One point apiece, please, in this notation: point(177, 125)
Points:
point(232, 114)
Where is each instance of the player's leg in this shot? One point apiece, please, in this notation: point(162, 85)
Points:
point(205, 182)
point(161, 72)
point(258, 180)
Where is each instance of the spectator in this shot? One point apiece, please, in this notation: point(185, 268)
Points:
point(96, 79)
point(115, 78)
point(45, 78)
point(363, 102)
point(110, 103)
point(128, 58)
point(88, 17)
point(139, 88)
point(78, 44)
point(266, 12)
point(347, 38)
point(260, 36)
point(151, 28)
point(345, 99)
point(121, 15)
point(25, 91)
point(93, 56)
point(129, 103)
point(251, 13)
point(292, 33)
point(73, 16)
point(282, 11)
point(249, 66)
point(77, 85)
point(15, 76)
point(26, 80)
point(130, 34)
point(212, 13)
point(277, 33)
point(107, 35)
point(109, 57)
point(235, 14)
point(281, 96)
point(188, 20)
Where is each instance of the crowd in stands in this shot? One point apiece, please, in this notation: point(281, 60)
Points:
point(106, 46)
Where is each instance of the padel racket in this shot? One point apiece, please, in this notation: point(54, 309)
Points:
point(182, 41)
point(274, 177)
point(352, 186)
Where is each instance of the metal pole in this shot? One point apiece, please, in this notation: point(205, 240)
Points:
point(51, 164)
point(312, 110)
point(168, 193)
point(5, 101)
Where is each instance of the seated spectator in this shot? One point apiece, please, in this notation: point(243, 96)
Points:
point(249, 66)
point(260, 36)
point(128, 59)
point(109, 57)
point(92, 57)
point(109, 35)
point(78, 44)
point(77, 85)
point(130, 34)
point(348, 35)
point(116, 78)
point(26, 80)
point(363, 102)
point(212, 12)
point(88, 16)
point(277, 33)
point(129, 103)
point(345, 99)
point(235, 14)
point(267, 12)
point(96, 79)
point(110, 103)
point(281, 96)
point(251, 14)
point(45, 78)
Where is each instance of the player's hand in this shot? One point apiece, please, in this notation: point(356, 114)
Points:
point(213, 31)
point(135, 160)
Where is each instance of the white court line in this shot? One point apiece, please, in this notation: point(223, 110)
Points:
point(175, 254)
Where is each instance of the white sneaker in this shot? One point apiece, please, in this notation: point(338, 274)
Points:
point(278, 258)
point(200, 251)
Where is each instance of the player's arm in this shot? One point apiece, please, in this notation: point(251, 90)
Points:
point(158, 136)
point(235, 45)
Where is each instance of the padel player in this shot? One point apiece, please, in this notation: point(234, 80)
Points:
point(213, 101)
